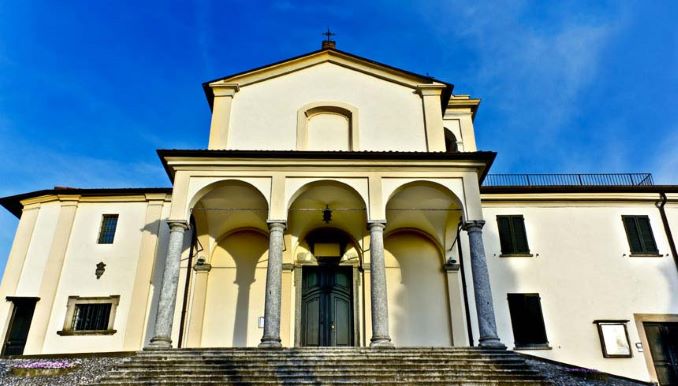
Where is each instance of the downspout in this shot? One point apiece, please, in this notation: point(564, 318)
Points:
point(187, 283)
point(469, 330)
point(672, 244)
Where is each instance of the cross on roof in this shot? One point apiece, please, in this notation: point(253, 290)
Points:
point(328, 34)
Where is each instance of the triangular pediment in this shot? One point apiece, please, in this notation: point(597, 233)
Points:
point(334, 56)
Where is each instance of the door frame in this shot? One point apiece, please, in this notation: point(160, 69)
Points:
point(298, 284)
point(10, 321)
point(655, 318)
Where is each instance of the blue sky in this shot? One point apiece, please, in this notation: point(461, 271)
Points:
point(89, 89)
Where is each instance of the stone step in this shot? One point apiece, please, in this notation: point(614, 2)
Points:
point(367, 378)
point(340, 366)
point(322, 371)
point(455, 382)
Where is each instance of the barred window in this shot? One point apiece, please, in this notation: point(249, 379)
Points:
point(89, 317)
point(108, 224)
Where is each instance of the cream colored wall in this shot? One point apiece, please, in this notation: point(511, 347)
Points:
point(78, 279)
point(264, 115)
point(418, 305)
point(235, 292)
point(583, 272)
point(38, 250)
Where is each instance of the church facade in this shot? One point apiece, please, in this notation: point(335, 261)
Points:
point(344, 202)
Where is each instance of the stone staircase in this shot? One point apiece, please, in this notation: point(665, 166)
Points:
point(324, 366)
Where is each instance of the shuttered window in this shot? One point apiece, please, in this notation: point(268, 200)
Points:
point(639, 234)
point(109, 223)
point(512, 235)
point(527, 320)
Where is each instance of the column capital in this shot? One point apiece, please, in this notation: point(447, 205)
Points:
point(177, 225)
point(473, 225)
point(277, 225)
point(376, 225)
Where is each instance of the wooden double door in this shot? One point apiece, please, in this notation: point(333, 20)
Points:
point(327, 306)
point(663, 340)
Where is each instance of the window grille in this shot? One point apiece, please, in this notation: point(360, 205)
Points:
point(91, 317)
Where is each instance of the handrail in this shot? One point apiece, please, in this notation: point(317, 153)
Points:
point(573, 179)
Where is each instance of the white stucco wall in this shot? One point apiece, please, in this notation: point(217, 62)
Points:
point(78, 278)
point(583, 272)
point(264, 114)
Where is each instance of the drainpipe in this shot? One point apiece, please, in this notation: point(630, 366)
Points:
point(463, 288)
point(672, 244)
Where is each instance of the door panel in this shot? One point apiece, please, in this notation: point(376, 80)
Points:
point(20, 324)
point(663, 341)
point(327, 306)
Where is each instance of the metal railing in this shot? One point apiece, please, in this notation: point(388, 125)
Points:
point(603, 179)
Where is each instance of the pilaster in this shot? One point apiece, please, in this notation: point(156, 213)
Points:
point(221, 114)
point(433, 115)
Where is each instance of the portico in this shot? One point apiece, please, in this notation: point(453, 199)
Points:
point(259, 226)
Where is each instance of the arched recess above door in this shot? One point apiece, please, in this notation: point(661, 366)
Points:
point(327, 125)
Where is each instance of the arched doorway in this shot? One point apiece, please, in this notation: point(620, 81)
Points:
point(327, 292)
point(327, 225)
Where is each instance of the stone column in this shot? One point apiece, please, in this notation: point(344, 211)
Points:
point(170, 282)
point(481, 286)
point(271, 338)
point(380, 336)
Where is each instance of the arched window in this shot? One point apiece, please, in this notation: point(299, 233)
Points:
point(327, 126)
point(450, 141)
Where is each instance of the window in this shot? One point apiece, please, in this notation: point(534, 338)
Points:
point(108, 224)
point(90, 315)
point(614, 338)
point(527, 321)
point(512, 235)
point(450, 142)
point(639, 234)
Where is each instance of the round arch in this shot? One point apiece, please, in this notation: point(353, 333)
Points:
point(205, 190)
point(328, 182)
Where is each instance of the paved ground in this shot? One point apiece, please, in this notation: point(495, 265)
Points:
point(90, 367)
point(572, 376)
point(86, 371)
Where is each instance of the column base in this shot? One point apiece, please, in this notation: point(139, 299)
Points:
point(380, 343)
point(270, 343)
point(491, 343)
point(159, 343)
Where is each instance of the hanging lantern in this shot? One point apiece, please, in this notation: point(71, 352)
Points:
point(327, 214)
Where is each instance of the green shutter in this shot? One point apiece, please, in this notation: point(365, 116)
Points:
point(632, 234)
point(646, 237)
point(519, 235)
point(505, 234)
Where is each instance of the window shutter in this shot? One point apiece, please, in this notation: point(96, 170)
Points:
point(505, 234)
point(632, 234)
point(520, 237)
point(527, 320)
point(646, 237)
